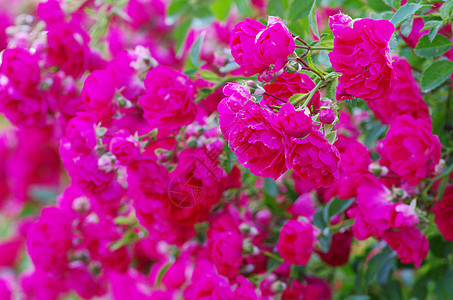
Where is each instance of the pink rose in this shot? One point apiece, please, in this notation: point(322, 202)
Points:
point(294, 123)
point(245, 290)
point(125, 147)
point(256, 47)
point(68, 47)
point(297, 241)
point(304, 206)
point(361, 54)
point(21, 68)
point(402, 215)
point(50, 239)
point(340, 249)
point(314, 160)
point(327, 116)
point(255, 138)
point(288, 84)
point(410, 148)
point(236, 97)
point(168, 102)
point(226, 253)
point(98, 92)
point(443, 214)
point(404, 99)
point(410, 245)
point(416, 33)
point(372, 214)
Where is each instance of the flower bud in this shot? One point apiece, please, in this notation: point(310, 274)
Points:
point(292, 66)
point(278, 286)
point(327, 116)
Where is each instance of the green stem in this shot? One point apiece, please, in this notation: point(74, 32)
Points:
point(269, 271)
point(432, 181)
point(219, 84)
point(322, 48)
point(273, 256)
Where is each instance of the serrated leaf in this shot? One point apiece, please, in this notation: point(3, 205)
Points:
point(434, 27)
point(446, 11)
point(435, 74)
point(405, 12)
point(427, 49)
point(406, 27)
point(312, 19)
point(331, 137)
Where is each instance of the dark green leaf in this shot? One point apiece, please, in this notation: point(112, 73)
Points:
point(337, 206)
point(318, 219)
point(312, 20)
point(438, 246)
point(357, 297)
point(162, 273)
point(434, 27)
point(436, 74)
point(427, 49)
point(221, 8)
point(325, 240)
point(404, 12)
point(446, 11)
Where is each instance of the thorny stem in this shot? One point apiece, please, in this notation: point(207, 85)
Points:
point(275, 97)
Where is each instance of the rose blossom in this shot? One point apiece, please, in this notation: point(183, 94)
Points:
point(443, 214)
point(226, 252)
point(410, 148)
point(361, 54)
point(295, 123)
point(410, 245)
point(314, 159)
point(287, 85)
point(98, 91)
point(21, 68)
point(256, 140)
point(297, 241)
point(256, 47)
point(404, 99)
point(168, 102)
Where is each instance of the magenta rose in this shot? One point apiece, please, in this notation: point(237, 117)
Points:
point(340, 249)
point(314, 160)
point(256, 47)
point(443, 214)
point(294, 123)
point(125, 147)
point(410, 245)
point(402, 216)
point(98, 92)
point(68, 48)
point(21, 68)
point(404, 99)
point(297, 241)
point(288, 84)
point(255, 138)
point(361, 54)
point(168, 102)
point(226, 253)
point(236, 97)
point(410, 148)
point(50, 239)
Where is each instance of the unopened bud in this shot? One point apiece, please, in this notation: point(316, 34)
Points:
point(105, 162)
point(192, 142)
point(278, 286)
point(377, 170)
point(247, 246)
point(245, 228)
point(293, 67)
point(327, 116)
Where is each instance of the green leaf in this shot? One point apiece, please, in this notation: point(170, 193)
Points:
point(406, 27)
point(208, 75)
point(379, 5)
point(446, 11)
point(270, 187)
point(194, 54)
point(427, 49)
point(436, 74)
point(373, 133)
point(357, 297)
point(275, 8)
point(331, 137)
point(434, 27)
point(177, 6)
point(312, 20)
point(300, 9)
point(243, 7)
point(162, 273)
point(221, 8)
point(337, 206)
point(325, 240)
point(405, 12)
point(180, 32)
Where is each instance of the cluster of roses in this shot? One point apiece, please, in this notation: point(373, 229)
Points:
point(156, 207)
